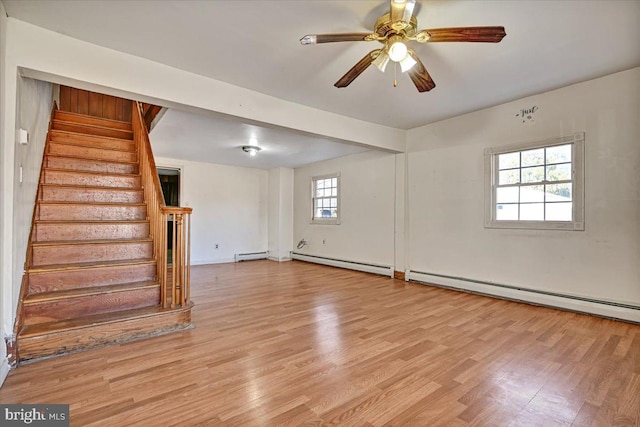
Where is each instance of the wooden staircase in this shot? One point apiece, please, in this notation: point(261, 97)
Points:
point(91, 276)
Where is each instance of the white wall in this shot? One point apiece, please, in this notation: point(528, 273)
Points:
point(5, 294)
point(230, 208)
point(34, 112)
point(367, 209)
point(446, 194)
point(280, 214)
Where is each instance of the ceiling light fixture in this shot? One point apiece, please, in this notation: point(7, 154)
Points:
point(251, 149)
point(397, 50)
point(381, 60)
point(407, 63)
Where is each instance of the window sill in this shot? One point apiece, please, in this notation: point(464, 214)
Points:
point(325, 221)
point(536, 225)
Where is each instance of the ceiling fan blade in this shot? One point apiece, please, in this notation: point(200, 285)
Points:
point(401, 10)
point(419, 75)
point(338, 37)
point(464, 34)
point(357, 69)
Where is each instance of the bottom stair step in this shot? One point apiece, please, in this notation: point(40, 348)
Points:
point(60, 305)
point(68, 336)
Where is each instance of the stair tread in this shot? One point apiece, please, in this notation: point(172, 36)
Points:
point(88, 291)
point(89, 321)
point(82, 172)
point(92, 242)
point(90, 126)
point(91, 187)
point(71, 113)
point(58, 132)
point(89, 265)
point(91, 221)
point(56, 202)
point(117, 162)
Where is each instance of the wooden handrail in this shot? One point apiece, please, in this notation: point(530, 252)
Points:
point(178, 277)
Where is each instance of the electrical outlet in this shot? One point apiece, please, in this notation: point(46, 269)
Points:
point(217, 246)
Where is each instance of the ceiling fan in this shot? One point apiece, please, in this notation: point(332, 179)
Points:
point(394, 30)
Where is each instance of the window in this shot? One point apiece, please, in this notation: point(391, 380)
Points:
point(325, 199)
point(538, 185)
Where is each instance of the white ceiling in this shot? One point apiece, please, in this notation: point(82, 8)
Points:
point(255, 45)
point(202, 138)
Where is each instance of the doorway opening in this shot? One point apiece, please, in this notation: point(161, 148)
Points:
point(170, 182)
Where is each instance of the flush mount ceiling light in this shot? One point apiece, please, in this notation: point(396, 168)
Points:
point(394, 30)
point(251, 149)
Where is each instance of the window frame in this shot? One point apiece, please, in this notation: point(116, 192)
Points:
point(325, 221)
point(577, 181)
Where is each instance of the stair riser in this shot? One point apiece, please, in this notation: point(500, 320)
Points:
point(79, 231)
point(91, 195)
point(62, 212)
point(85, 278)
point(70, 308)
point(63, 254)
point(95, 336)
point(69, 163)
point(90, 180)
point(91, 153)
point(91, 130)
point(70, 117)
point(88, 141)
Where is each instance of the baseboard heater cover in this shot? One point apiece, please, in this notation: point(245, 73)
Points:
point(609, 309)
point(250, 256)
point(383, 270)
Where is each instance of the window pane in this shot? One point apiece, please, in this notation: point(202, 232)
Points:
point(320, 184)
point(509, 160)
point(319, 193)
point(507, 212)
point(532, 212)
point(532, 193)
point(560, 172)
point(334, 202)
point(558, 193)
point(533, 157)
point(334, 182)
point(535, 174)
point(334, 192)
point(559, 154)
point(507, 195)
point(559, 211)
point(318, 213)
point(509, 176)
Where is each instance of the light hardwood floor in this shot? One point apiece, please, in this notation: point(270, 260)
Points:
point(301, 344)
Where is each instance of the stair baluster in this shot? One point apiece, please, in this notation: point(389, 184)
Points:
point(174, 280)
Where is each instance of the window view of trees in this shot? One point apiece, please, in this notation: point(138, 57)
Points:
point(535, 184)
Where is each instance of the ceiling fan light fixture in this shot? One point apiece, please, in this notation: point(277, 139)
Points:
point(381, 60)
point(251, 149)
point(397, 51)
point(407, 63)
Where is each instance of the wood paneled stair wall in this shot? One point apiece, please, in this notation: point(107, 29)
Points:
point(97, 269)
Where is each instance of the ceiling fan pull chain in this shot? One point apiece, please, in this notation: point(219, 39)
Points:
point(395, 74)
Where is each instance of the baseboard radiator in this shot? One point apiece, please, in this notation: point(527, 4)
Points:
point(608, 309)
point(383, 270)
point(250, 256)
